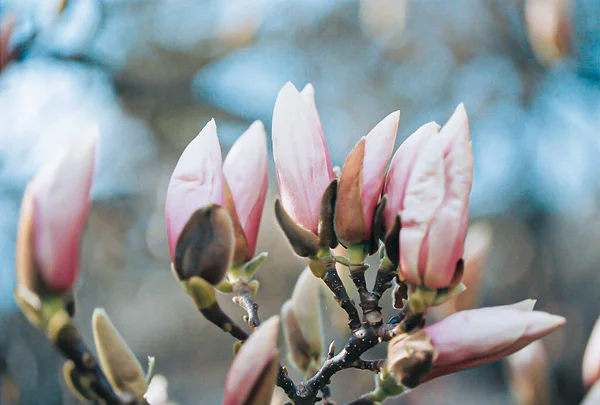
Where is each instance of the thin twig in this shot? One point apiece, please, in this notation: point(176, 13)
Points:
point(334, 283)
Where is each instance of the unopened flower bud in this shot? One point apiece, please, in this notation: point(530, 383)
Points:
point(471, 338)
point(205, 246)
point(47, 256)
point(118, 362)
point(298, 348)
point(410, 357)
point(428, 185)
point(362, 180)
point(251, 378)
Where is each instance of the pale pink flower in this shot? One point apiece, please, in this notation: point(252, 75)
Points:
point(59, 195)
point(251, 378)
point(361, 181)
point(471, 338)
point(245, 169)
point(301, 156)
point(434, 208)
point(591, 358)
point(197, 181)
point(528, 374)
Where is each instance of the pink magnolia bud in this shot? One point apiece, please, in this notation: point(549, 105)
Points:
point(471, 338)
point(251, 378)
point(245, 169)
point(53, 217)
point(301, 156)
point(362, 180)
point(432, 200)
point(548, 29)
point(591, 358)
point(197, 181)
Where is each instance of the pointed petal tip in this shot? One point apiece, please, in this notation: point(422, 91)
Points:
point(309, 89)
point(543, 323)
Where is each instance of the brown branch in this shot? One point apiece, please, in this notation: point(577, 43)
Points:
point(334, 283)
point(215, 314)
point(368, 301)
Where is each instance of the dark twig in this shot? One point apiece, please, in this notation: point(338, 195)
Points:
point(383, 281)
point(368, 302)
point(334, 283)
point(215, 314)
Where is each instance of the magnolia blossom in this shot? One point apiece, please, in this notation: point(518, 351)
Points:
point(251, 378)
point(362, 180)
point(591, 358)
point(428, 185)
point(468, 339)
point(301, 156)
point(245, 169)
point(53, 216)
point(200, 180)
point(197, 181)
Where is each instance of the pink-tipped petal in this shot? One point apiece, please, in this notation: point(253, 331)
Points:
point(591, 358)
point(424, 194)
point(400, 169)
point(448, 228)
point(196, 182)
point(60, 193)
point(254, 356)
point(379, 145)
point(301, 157)
point(245, 169)
point(471, 338)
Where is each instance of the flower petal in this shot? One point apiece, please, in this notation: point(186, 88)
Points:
point(197, 181)
point(301, 158)
point(424, 194)
point(400, 169)
point(245, 169)
point(379, 146)
point(64, 182)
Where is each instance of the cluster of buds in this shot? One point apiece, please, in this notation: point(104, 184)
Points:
point(413, 214)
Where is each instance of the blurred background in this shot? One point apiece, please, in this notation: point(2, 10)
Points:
point(153, 72)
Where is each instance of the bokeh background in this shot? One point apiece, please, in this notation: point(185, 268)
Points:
point(151, 73)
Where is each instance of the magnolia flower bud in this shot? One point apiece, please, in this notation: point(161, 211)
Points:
point(251, 378)
point(591, 358)
point(197, 182)
point(299, 350)
point(245, 169)
point(47, 256)
point(528, 375)
point(301, 156)
point(468, 339)
point(118, 362)
point(361, 182)
point(410, 357)
point(428, 185)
